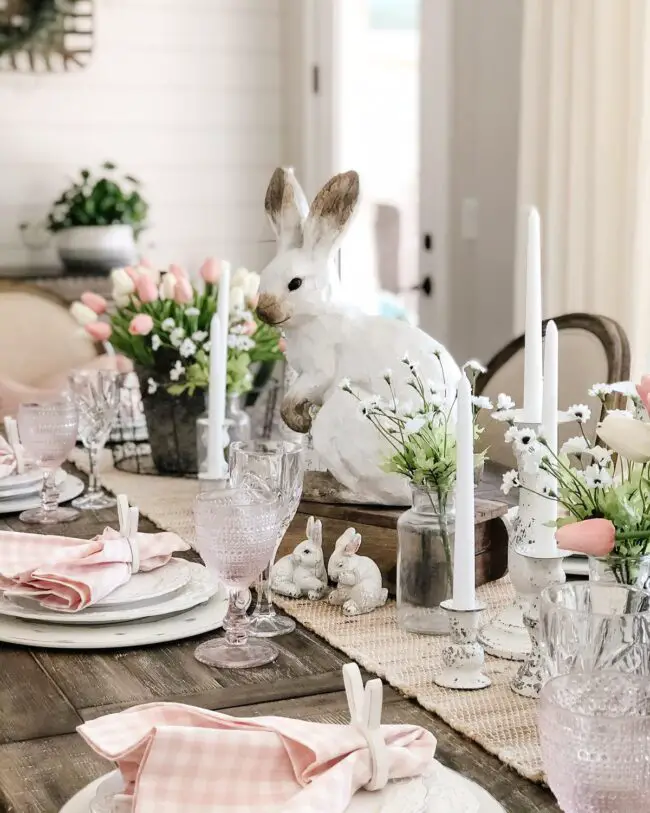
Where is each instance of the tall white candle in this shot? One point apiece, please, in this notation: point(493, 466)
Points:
point(464, 581)
point(546, 536)
point(216, 459)
point(224, 324)
point(533, 374)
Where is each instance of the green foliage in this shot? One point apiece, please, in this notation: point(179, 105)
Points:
point(106, 200)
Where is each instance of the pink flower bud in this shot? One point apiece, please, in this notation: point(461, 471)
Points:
point(253, 300)
point(141, 325)
point(145, 262)
point(100, 331)
point(282, 344)
point(146, 289)
point(131, 272)
point(250, 328)
point(93, 301)
point(177, 271)
point(211, 270)
point(595, 537)
point(183, 293)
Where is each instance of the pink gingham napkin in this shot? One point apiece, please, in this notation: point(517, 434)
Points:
point(69, 574)
point(176, 758)
point(7, 458)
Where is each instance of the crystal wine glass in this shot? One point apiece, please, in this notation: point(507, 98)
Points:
point(48, 431)
point(594, 730)
point(96, 394)
point(279, 464)
point(236, 531)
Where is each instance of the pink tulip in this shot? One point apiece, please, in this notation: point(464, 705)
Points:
point(643, 390)
point(211, 270)
point(145, 262)
point(100, 331)
point(250, 328)
point(177, 271)
point(594, 537)
point(282, 344)
point(141, 325)
point(146, 289)
point(253, 300)
point(95, 302)
point(183, 293)
point(131, 272)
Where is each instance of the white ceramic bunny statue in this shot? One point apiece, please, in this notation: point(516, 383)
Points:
point(359, 580)
point(302, 572)
point(337, 557)
point(328, 341)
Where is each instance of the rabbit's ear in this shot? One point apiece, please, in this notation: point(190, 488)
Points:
point(343, 540)
point(316, 535)
point(310, 527)
point(330, 212)
point(352, 545)
point(286, 207)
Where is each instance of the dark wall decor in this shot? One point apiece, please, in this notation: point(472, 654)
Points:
point(37, 36)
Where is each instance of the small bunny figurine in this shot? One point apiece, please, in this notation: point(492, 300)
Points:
point(337, 556)
point(359, 580)
point(303, 571)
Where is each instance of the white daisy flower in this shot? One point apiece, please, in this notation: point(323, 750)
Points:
point(168, 324)
point(199, 336)
point(192, 312)
point(579, 412)
point(475, 366)
point(240, 342)
point(624, 388)
point(156, 341)
point(151, 386)
point(176, 336)
point(414, 424)
point(504, 415)
point(482, 402)
point(510, 481)
point(207, 346)
point(176, 371)
point(596, 477)
point(187, 348)
point(504, 402)
point(577, 445)
point(344, 384)
point(600, 454)
point(600, 390)
point(521, 439)
point(406, 409)
point(371, 403)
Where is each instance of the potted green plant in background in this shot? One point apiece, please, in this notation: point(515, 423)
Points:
point(97, 219)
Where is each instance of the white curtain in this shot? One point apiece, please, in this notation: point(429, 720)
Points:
point(585, 158)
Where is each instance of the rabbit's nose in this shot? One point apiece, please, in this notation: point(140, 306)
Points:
point(271, 310)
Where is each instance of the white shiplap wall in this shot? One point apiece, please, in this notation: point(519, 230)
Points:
point(185, 95)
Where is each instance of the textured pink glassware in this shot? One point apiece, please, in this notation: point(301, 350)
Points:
point(594, 730)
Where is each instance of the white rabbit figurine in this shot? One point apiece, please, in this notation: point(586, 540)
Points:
point(328, 341)
point(337, 556)
point(359, 581)
point(303, 571)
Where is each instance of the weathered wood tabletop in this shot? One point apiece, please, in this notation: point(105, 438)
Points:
point(45, 695)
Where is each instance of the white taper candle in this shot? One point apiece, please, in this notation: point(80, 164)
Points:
point(546, 537)
point(464, 580)
point(533, 374)
point(215, 413)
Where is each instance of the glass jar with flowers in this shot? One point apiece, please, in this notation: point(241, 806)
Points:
point(422, 443)
point(161, 321)
point(602, 483)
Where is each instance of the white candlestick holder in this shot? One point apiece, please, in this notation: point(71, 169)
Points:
point(543, 569)
point(463, 657)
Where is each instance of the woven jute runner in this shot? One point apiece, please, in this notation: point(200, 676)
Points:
point(496, 718)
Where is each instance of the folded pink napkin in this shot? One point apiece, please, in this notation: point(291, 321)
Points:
point(7, 458)
point(180, 758)
point(69, 574)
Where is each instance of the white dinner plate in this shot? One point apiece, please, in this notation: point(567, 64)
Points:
point(153, 584)
point(71, 488)
point(199, 587)
point(20, 491)
point(203, 618)
point(32, 477)
point(449, 792)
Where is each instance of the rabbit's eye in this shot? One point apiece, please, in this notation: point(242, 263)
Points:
point(307, 550)
point(294, 284)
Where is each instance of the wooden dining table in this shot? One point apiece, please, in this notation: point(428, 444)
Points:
point(45, 694)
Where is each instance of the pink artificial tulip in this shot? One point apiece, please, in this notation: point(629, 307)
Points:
point(146, 289)
point(594, 537)
point(250, 328)
point(210, 271)
point(141, 325)
point(131, 272)
point(95, 302)
point(145, 262)
point(100, 331)
point(177, 271)
point(183, 293)
point(643, 389)
point(253, 300)
point(282, 344)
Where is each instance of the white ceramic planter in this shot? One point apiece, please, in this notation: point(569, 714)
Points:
point(96, 249)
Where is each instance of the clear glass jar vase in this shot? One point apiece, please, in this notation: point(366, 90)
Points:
point(425, 562)
point(633, 570)
point(239, 422)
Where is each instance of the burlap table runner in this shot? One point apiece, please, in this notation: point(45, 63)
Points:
point(496, 718)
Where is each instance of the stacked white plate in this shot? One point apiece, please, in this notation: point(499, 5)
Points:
point(175, 601)
point(19, 492)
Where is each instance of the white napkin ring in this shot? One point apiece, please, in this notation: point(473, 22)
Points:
point(129, 518)
point(13, 438)
point(365, 715)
